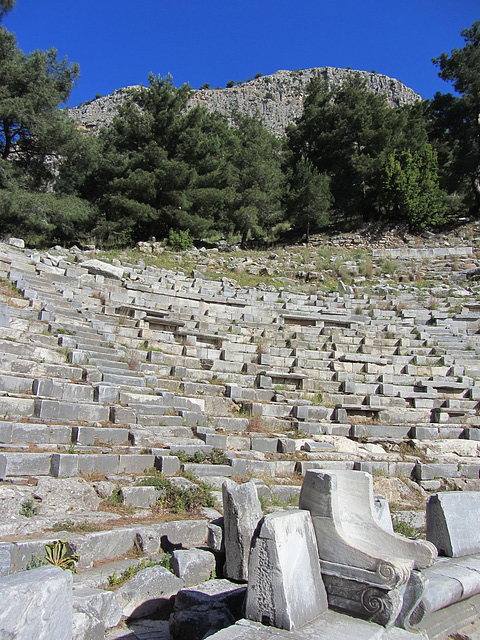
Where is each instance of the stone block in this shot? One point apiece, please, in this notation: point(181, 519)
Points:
point(105, 545)
point(285, 588)
point(46, 595)
point(210, 606)
point(266, 445)
point(182, 534)
point(216, 440)
point(27, 464)
point(214, 536)
point(201, 470)
point(3, 467)
point(193, 565)
point(100, 268)
point(106, 393)
point(168, 465)
point(86, 624)
point(7, 549)
point(147, 540)
point(286, 445)
point(452, 522)
point(140, 496)
point(98, 463)
point(242, 512)
point(16, 407)
point(63, 465)
point(147, 592)
point(103, 603)
point(135, 463)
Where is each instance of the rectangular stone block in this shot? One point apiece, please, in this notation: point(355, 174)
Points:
point(135, 463)
point(98, 463)
point(16, 407)
point(105, 393)
point(168, 465)
point(63, 465)
point(27, 464)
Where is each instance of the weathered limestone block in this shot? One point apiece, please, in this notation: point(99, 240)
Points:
point(103, 603)
point(193, 565)
point(140, 496)
point(97, 267)
point(285, 587)
point(65, 495)
point(242, 511)
point(86, 624)
point(452, 522)
point(147, 592)
point(37, 605)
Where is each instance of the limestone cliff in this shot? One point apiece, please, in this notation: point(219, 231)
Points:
point(277, 98)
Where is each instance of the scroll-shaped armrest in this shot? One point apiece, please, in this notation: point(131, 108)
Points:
point(349, 534)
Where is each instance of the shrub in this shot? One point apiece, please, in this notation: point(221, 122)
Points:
point(180, 240)
point(188, 498)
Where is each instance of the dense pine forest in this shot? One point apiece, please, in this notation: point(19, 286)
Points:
point(190, 175)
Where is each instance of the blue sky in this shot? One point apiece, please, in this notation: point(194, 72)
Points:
point(117, 43)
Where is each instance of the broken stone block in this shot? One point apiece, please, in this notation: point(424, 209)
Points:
point(208, 607)
point(97, 267)
point(148, 591)
point(147, 540)
point(193, 565)
point(285, 587)
point(242, 511)
point(86, 624)
point(46, 594)
point(65, 495)
point(102, 603)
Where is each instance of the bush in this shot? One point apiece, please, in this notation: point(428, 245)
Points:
point(187, 499)
point(180, 240)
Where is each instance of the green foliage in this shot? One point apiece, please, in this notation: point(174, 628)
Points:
point(6, 6)
point(35, 562)
point(31, 125)
point(216, 456)
point(29, 508)
point(116, 497)
point(180, 240)
point(404, 528)
point(309, 201)
point(412, 188)
point(455, 120)
point(43, 219)
point(230, 84)
point(56, 553)
point(347, 133)
point(187, 499)
point(154, 481)
point(116, 581)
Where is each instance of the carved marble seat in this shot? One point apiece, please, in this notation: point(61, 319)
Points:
point(386, 578)
point(367, 570)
